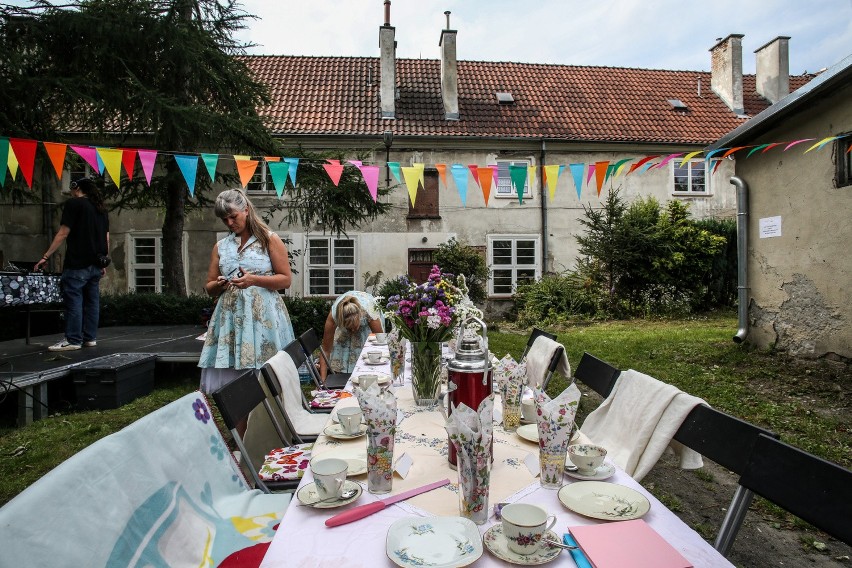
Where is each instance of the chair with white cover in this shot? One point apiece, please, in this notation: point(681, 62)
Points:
point(535, 334)
point(545, 357)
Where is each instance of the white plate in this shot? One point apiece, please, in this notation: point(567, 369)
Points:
point(498, 545)
point(605, 471)
point(308, 496)
point(529, 432)
point(607, 501)
point(336, 431)
point(383, 360)
point(381, 378)
point(357, 466)
point(440, 542)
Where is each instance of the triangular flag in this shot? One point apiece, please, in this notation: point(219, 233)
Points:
point(460, 176)
point(56, 152)
point(518, 175)
point(640, 163)
point(442, 172)
point(291, 170)
point(189, 168)
point(609, 171)
point(577, 174)
point(25, 151)
point(590, 174)
point(128, 160)
point(552, 189)
point(421, 169)
point(793, 143)
point(356, 163)
point(668, 158)
point(4, 158)
point(755, 149)
point(485, 182)
point(822, 143)
point(12, 162)
point(278, 171)
point(246, 169)
point(89, 155)
point(412, 180)
point(334, 169)
point(646, 167)
point(531, 172)
point(619, 165)
point(371, 178)
point(495, 178)
point(731, 151)
point(111, 158)
point(600, 174)
point(474, 170)
point(394, 169)
point(552, 173)
point(716, 167)
point(770, 146)
point(147, 159)
point(711, 153)
point(689, 157)
point(100, 161)
point(210, 163)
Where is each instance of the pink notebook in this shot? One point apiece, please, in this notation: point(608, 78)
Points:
point(627, 544)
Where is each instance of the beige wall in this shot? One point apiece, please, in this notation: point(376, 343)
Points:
point(801, 282)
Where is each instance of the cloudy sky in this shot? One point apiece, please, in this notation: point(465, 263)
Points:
point(654, 34)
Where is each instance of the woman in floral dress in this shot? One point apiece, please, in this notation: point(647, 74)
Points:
point(352, 317)
point(247, 269)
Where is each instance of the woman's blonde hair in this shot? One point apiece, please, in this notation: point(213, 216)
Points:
point(349, 313)
point(232, 200)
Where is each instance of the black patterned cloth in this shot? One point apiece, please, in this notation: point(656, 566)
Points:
point(22, 289)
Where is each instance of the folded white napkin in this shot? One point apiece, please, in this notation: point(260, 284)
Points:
point(538, 360)
point(637, 420)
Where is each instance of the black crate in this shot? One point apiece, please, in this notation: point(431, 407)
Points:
point(113, 380)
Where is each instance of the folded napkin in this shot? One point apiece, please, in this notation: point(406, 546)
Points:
point(637, 420)
point(555, 418)
point(396, 350)
point(538, 360)
point(471, 432)
point(507, 371)
point(379, 408)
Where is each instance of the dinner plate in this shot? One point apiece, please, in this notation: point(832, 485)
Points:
point(381, 378)
point(308, 496)
point(439, 542)
point(605, 471)
point(498, 545)
point(336, 431)
point(529, 432)
point(607, 501)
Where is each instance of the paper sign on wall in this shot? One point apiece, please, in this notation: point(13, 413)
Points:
point(770, 227)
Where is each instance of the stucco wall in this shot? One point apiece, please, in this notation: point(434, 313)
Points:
point(801, 282)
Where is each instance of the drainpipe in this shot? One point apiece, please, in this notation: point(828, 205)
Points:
point(543, 207)
point(742, 262)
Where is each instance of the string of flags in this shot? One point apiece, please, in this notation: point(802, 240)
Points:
point(18, 154)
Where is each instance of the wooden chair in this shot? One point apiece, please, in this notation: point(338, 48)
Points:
point(729, 442)
point(310, 344)
point(598, 375)
point(815, 490)
point(235, 401)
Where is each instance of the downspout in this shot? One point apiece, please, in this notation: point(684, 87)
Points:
point(543, 207)
point(742, 255)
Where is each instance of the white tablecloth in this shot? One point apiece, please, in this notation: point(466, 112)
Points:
point(303, 539)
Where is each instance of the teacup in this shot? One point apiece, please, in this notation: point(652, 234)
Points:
point(528, 410)
point(350, 419)
point(367, 379)
point(329, 476)
point(374, 356)
point(586, 457)
point(524, 526)
point(381, 338)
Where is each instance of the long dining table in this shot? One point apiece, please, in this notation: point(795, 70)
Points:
point(302, 539)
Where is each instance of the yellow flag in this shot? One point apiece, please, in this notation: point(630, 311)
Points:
point(412, 176)
point(12, 162)
point(112, 162)
point(551, 174)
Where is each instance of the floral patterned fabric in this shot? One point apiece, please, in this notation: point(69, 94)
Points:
point(248, 326)
point(283, 464)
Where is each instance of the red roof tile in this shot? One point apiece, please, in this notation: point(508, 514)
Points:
point(340, 96)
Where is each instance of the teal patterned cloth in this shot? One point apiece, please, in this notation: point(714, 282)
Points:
point(163, 491)
point(248, 326)
point(347, 345)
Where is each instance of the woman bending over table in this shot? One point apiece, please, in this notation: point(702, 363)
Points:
point(352, 317)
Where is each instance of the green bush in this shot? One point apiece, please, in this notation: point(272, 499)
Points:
point(458, 258)
point(306, 313)
point(554, 299)
point(721, 281)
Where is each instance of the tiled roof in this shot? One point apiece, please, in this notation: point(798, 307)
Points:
point(340, 96)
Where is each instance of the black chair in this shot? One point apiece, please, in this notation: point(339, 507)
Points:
point(815, 490)
point(729, 442)
point(302, 424)
point(534, 334)
point(235, 401)
point(310, 342)
point(598, 375)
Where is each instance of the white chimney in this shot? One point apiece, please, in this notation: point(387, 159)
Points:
point(449, 72)
point(773, 69)
point(726, 71)
point(387, 49)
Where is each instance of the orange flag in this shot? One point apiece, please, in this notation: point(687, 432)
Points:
point(600, 174)
point(246, 169)
point(442, 171)
point(56, 153)
point(485, 176)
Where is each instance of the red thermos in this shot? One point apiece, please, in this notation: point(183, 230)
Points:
point(469, 373)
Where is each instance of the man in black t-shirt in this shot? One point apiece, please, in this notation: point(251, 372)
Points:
point(85, 229)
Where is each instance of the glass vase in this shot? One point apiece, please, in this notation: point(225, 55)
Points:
point(425, 372)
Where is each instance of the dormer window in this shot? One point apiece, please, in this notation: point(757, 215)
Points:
point(678, 104)
point(505, 98)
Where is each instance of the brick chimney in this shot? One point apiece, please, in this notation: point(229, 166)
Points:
point(773, 69)
point(726, 71)
point(449, 72)
point(387, 50)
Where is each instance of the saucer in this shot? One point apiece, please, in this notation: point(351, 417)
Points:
point(605, 471)
point(439, 542)
point(307, 496)
point(529, 432)
point(381, 378)
point(498, 545)
point(336, 431)
point(383, 360)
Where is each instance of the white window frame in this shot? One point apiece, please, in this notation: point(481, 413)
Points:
point(157, 265)
point(331, 266)
point(708, 174)
point(504, 189)
point(514, 266)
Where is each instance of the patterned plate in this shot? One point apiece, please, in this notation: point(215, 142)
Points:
point(498, 545)
point(336, 431)
point(601, 500)
point(441, 542)
point(309, 497)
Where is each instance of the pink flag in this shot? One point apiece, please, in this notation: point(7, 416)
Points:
point(793, 143)
point(371, 178)
point(147, 159)
point(334, 169)
point(89, 154)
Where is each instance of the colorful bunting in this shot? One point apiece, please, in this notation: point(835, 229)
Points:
point(412, 182)
point(111, 159)
point(12, 163)
point(210, 163)
point(88, 154)
point(474, 170)
point(640, 163)
point(690, 156)
point(147, 159)
point(731, 151)
point(100, 161)
point(292, 166)
point(394, 169)
point(590, 173)
point(128, 160)
point(25, 151)
point(485, 175)
point(755, 149)
point(822, 143)
point(518, 175)
point(577, 174)
point(246, 169)
point(278, 172)
point(56, 154)
point(600, 174)
point(620, 165)
point(334, 169)
point(531, 171)
point(442, 172)
point(189, 168)
point(460, 177)
point(551, 174)
point(371, 178)
point(770, 146)
point(4, 159)
point(667, 159)
point(794, 142)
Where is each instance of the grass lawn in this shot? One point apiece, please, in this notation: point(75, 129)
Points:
point(806, 402)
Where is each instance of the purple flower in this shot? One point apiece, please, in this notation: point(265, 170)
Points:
point(201, 412)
